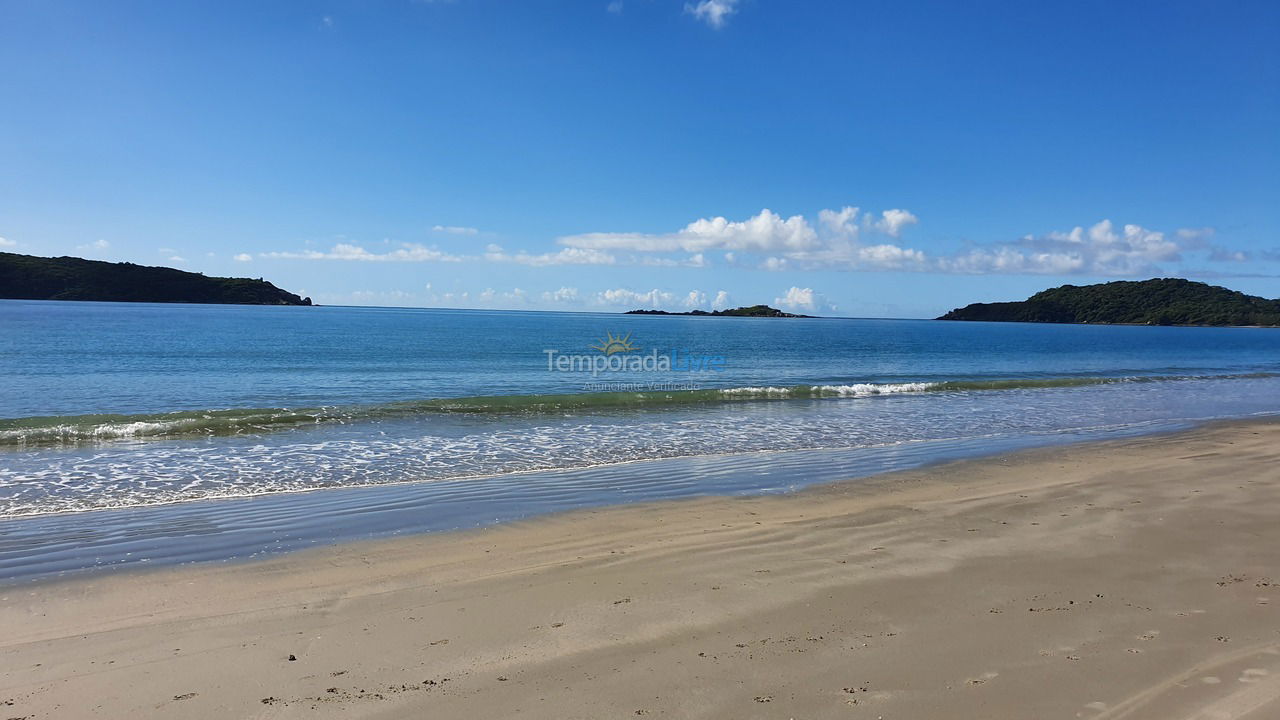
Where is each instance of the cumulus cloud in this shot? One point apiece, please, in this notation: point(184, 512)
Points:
point(891, 222)
point(621, 296)
point(6, 242)
point(721, 300)
point(791, 243)
point(803, 300)
point(242, 257)
point(1100, 249)
point(715, 13)
point(887, 257)
point(840, 222)
point(764, 232)
point(407, 252)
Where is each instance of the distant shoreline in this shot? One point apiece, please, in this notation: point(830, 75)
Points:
point(745, 311)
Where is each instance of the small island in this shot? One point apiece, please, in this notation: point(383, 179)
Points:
point(1160, 301)
point(27, 277)
point(752, 311)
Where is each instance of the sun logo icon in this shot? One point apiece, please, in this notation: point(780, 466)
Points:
point(611, 345)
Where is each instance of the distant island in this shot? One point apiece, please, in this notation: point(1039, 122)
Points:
point(752, 311)
point(1162, 301)
point(27, 277)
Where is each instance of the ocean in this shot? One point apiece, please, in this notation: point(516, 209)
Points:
point(144, 433)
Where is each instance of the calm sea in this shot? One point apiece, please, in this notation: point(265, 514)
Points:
point(133, 428)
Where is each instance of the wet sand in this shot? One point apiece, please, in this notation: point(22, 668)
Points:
point(1127, 579)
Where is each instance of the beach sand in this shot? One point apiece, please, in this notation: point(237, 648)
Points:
point(1126, 579)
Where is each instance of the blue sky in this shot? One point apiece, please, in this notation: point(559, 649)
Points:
point(853, 158)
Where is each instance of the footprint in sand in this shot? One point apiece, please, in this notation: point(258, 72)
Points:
point(1252, 675)
point(1149, 635)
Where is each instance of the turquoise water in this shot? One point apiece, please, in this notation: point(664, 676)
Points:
point(109, 408)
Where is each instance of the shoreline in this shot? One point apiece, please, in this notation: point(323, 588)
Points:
point(1123, 578)
point(98, 541)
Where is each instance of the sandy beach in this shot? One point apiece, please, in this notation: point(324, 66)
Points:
point(1126, 579)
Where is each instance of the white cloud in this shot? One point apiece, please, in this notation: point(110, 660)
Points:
point(563, 295)
point(407, 252)
point(715, 13)
point(891, 222)
point(696, 299)
point(455, 230)
point(696, 260)
point(1097, 250)
point(786, 243)
point(614, 7)
point(489, 296)
point(840, 222)
point(6, 242)
point(721, 301)
point(1008, 260)
point(653, 299)
point(887, 257)
point(800, 299)
point(95, 245)
point(177, 259)
point(566, 256)
point(243, 257)
point(763, 232)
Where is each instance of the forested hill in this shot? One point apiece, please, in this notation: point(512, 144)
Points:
point(26, 277)
point(1164, 301)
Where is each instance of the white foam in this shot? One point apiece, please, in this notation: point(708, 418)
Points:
point(867, 389)
point(776, 391)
